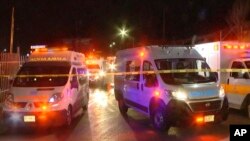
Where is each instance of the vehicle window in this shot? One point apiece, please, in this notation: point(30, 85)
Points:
point(74, 76)
point(133, 68)
point(237, 73)
point(247, 64)
point(176, 71)
point(42, 75)
point(82, 75)
point(149, 75)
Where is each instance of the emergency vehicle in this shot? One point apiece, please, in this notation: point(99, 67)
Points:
point(156, 81)
point(232, 59)
point(51, 88)
point(95, 70)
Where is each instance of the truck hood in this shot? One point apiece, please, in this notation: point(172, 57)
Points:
point(31, 94)
point(201, 90)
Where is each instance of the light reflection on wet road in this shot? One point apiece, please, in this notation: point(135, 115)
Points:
point(103, 122)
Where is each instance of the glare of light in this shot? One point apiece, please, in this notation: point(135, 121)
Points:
point(123, 32)
point(199, 119)
point(44, 107)
point(112, 67)
point(100, 98)
point(141, 54)
point(156, 93)
point(102, 73)
point(15, 117)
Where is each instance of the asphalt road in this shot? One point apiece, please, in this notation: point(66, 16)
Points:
point(103, 122)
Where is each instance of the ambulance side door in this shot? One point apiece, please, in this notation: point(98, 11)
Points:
point(83, 95)
point(237, 87)
point(75, 91)
point(131, 87)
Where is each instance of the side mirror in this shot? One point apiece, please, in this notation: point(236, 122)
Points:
point(82, 80)
point(245, 75)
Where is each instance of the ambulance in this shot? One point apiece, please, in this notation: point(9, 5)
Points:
point(51, 88)
point(232, 60)
point(163, 83)
point(96, 71)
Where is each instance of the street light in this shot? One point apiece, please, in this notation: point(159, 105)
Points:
point(123, 32)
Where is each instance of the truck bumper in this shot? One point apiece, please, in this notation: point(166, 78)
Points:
point(48, 118)
point(184, 113)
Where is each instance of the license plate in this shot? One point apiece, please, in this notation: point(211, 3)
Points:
point(29, 118)
point(209, 118)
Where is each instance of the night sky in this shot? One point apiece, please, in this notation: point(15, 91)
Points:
point(50, 21)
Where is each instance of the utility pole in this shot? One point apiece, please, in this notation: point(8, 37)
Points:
point(164, 24)
point(12, 30)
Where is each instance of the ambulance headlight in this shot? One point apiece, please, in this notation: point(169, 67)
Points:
point(221, 92)
point(179, 95)
point(9, 101)
point(55, 98)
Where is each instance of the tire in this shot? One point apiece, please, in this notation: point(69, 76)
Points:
point(68, 117)
point(122, 107)
point(159, 119)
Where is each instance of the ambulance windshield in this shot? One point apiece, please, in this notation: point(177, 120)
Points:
point(42, 74)
point(185, 71)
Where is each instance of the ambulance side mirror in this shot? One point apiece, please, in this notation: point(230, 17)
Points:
point(245, 75)
point(82, 80)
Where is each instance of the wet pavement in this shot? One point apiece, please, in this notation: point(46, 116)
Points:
point(103, 122)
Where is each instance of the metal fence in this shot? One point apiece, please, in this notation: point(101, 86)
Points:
point(9, 65)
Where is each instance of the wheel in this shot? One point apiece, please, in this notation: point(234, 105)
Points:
point(122, 107)
point(159, 119)
point(68, 117)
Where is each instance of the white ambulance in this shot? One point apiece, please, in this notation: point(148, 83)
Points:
point(232, 59)
point(51, 88)
point(162, 83)
point(96, 73)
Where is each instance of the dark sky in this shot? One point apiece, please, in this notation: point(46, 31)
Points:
point(49, 21)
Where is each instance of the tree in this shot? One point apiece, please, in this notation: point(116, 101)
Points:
point(238, 18)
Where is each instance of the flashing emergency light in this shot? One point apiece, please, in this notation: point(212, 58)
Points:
point(50, 49)
point(44, 107)
point(37, 46)
point(240, 46)
point(91, 61)
point(142, 54)
point(41, 49)
point(156, 93)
